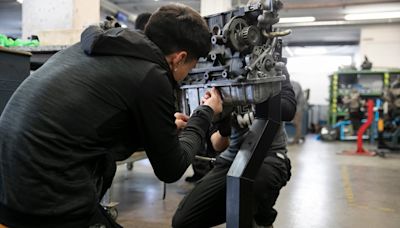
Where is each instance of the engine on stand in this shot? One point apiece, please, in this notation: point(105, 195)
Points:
point(245, 62)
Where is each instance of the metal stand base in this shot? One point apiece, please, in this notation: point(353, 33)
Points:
point(241, 175)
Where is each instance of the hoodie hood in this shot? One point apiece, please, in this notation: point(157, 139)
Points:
point(122, 42)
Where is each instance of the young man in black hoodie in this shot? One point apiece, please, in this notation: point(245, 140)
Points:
point(93, 104)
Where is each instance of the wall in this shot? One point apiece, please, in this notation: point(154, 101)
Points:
point(58, 22)
point(38, 15)
point(312, 73)
point(381, 44)
point(208, 7)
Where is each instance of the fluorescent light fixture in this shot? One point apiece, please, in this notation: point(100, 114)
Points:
point(296, 19)
point(20, 1)
point(372, 16)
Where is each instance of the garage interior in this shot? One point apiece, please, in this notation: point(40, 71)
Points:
point(342, 175)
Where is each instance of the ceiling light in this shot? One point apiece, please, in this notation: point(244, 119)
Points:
point(20, 1)
point(372, 16)
point(296, 19)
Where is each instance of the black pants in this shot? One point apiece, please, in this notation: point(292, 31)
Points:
point(205, 205)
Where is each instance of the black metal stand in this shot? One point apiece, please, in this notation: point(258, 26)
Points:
point(241, 175)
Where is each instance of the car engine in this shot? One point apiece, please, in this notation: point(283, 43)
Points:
point(245, 63)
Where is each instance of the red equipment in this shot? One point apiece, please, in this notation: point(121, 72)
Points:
point(360, 150)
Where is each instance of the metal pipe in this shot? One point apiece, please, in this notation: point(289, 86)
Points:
point(277, 33)
point(202, 158)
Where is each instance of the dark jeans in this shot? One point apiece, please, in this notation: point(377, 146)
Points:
point(205, 205)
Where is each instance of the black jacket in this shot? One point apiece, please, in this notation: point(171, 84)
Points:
point(86, 107)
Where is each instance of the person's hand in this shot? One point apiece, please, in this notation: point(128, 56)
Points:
point(213, 99)
point(181, 120)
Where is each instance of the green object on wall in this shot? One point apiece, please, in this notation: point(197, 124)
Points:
point(8, 42)
point(3, 40)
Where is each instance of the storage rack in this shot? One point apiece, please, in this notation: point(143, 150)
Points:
point(369, 83)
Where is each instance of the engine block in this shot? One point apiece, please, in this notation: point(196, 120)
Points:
point(245, 62)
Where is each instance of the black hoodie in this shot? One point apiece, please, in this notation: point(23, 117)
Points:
point(90, 105)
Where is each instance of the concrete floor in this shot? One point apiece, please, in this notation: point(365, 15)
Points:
point(326, 190)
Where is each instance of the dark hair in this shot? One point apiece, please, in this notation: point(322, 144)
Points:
point(177, 27)
point(142, 20)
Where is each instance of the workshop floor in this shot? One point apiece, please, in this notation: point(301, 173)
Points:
point(326, 190)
